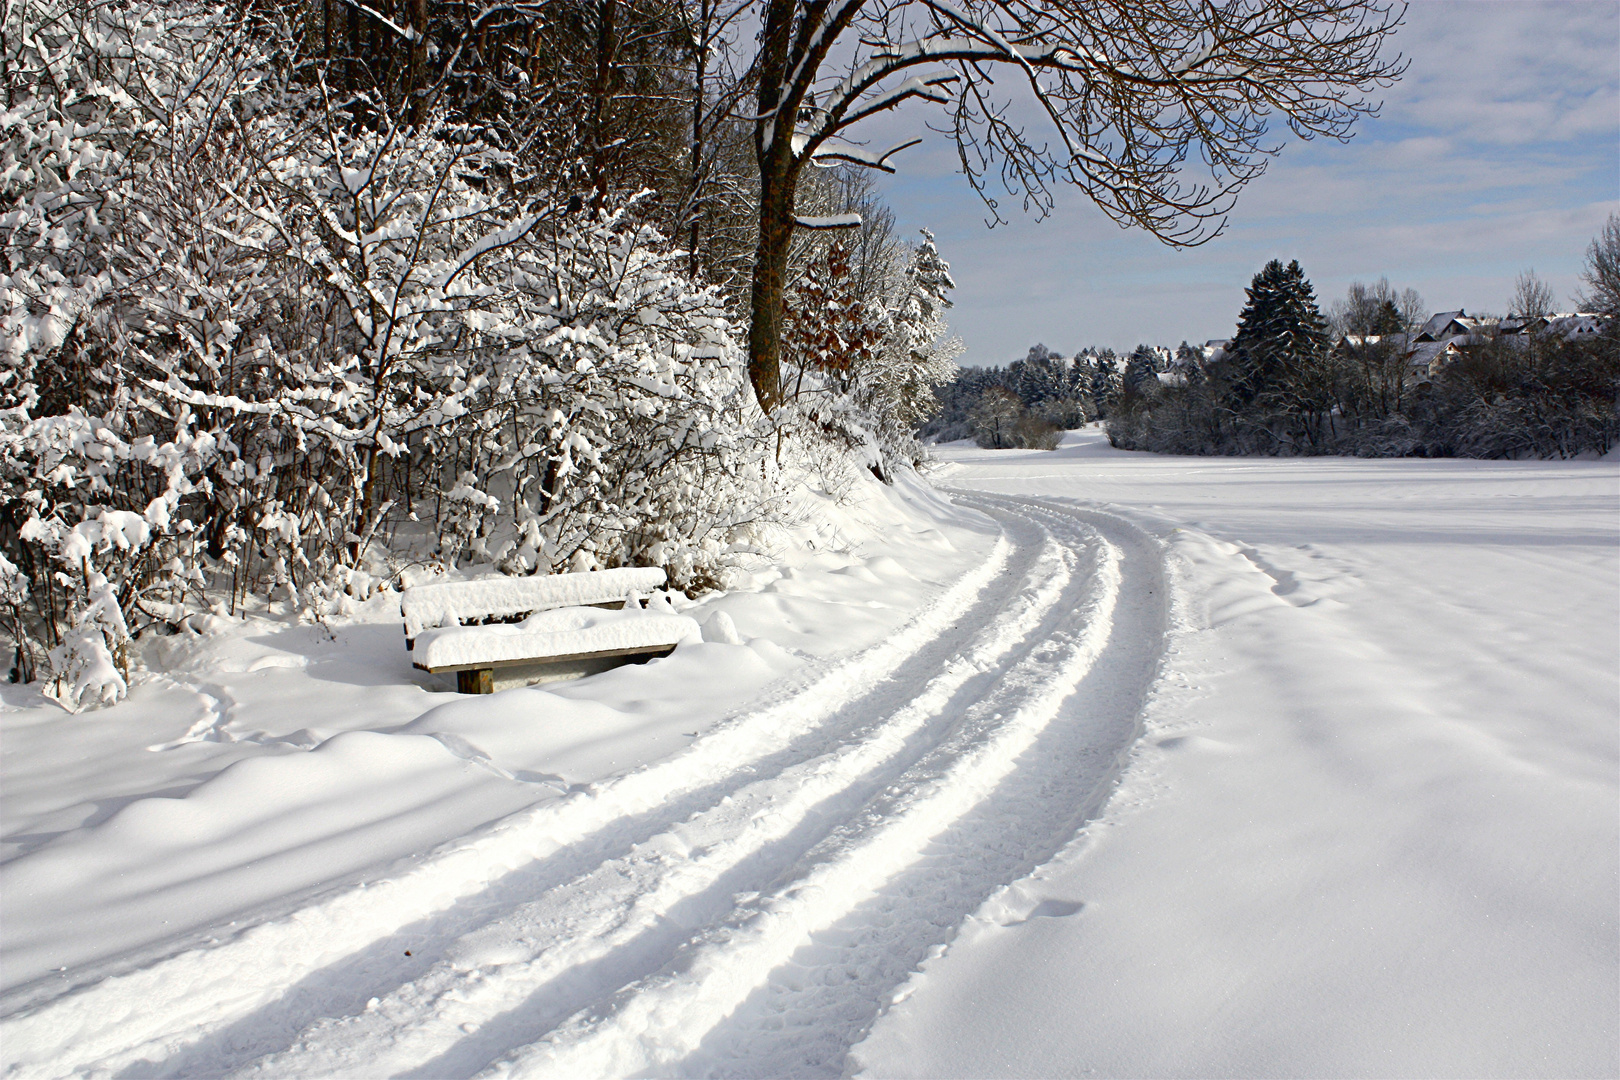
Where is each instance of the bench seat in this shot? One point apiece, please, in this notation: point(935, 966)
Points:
point(493, 599)
point(553, 642)
point(565, 633)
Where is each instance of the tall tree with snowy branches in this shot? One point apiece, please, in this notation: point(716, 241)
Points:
point(1280, 336)
point(917, 355)
point(1132, 90)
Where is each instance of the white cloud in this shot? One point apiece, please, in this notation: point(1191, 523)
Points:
point(1509, 72)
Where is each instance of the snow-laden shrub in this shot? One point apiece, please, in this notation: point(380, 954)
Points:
point(67, 138)
point(14, 618)
point(85, 560)
point(84, 661)
point(268, 334)
point(464, 517)
point(617, 410)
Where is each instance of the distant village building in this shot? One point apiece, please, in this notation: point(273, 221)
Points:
point(1570, 327)
point(1451, 325)
point(1440, 340)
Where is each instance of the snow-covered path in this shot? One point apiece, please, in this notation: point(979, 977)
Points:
point(744, 907)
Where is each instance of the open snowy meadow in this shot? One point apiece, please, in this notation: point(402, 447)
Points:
point(1080, 762)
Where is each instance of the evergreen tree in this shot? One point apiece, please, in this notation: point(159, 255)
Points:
point(1388, 319)
point(1280, 336)
point(1038, 377)
point(1105, 382)
point(1139, 373)
point(918, 356)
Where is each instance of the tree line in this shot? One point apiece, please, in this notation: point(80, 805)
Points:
point(1356, 381)
point(1352, 380)
point(1031, 401)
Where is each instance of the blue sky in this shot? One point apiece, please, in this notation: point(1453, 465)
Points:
point(1499, 151)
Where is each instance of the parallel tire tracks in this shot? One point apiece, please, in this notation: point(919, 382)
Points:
point(789, 980)
point(796, 862)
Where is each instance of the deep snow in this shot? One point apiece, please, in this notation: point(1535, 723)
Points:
point(268, 761)
point(560, 632)
point(1125, 764)
point(1371, 828)
point(450, 603)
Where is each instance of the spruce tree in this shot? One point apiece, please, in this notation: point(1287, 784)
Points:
point(918, 356)
point(1280, 335)
point(1387, 320)
point(1139, 373)
point(1106, 383)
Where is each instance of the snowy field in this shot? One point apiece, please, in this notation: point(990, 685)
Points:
point(1370, 828)
point(1121, 765)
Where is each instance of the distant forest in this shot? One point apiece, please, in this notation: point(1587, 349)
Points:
point(1375, 376)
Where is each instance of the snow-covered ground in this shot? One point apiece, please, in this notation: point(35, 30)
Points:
point(1371, 826)
point(1124, 765)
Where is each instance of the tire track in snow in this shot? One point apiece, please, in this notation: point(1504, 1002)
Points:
point(641, 905)
point(153, 1013)
point(936, 840)
point(675, 879)
point(806, 1017)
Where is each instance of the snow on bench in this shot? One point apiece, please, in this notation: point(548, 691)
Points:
point(561, 631)
point(452, 603)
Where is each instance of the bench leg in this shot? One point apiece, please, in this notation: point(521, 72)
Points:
point(476, 681)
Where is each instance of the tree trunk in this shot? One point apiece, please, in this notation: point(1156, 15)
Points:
point(778, 176)
point(770, 273)
point(416, 74)
point(351, 66)
point(601, 93)
point(700, 72)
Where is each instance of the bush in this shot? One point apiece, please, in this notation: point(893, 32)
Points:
point(1503, 397)
point(243, 340)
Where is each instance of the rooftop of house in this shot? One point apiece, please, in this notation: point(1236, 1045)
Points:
point(1401, 340)
point(1432, 329)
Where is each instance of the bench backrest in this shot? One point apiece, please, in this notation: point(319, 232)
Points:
point(449, 603)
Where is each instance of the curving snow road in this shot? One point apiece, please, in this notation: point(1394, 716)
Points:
point(745, 907)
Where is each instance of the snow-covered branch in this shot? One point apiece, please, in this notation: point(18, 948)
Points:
point(830, 221)
point(856, 155)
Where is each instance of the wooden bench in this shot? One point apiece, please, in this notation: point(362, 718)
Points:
point(557, 625)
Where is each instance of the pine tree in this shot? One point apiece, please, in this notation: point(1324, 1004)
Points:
point(1280, 335)
point(1139, 374)
point(1106, 383)
point(897, 386)
point(1387, 319)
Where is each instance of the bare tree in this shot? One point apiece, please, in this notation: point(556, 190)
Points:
point(1131, 89)
point(716, 90)
point(1602, 273)
point(1365, 309)
point(1414, 313)
point(995, 417)
point(1532, 297)
point(1374, 323)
